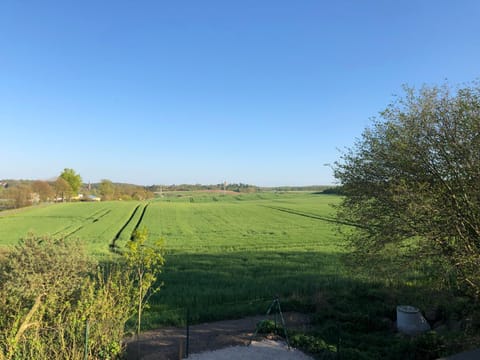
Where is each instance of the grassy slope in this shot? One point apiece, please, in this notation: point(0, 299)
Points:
point(225, 252)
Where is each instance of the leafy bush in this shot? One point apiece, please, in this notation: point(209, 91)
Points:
point(52, 296)
point(312, 344)
point(267, 327)
point(429, 346)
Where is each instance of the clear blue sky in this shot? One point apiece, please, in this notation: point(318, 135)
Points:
point(260, 92)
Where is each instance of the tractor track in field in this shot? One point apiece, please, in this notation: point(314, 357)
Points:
point(119, 233)
point(95, 219)
point(139, 220)
point(92, 216)
point(62, 229)
point(74, 231)
point(97, 215)
point(113, 245)
point(313, 216)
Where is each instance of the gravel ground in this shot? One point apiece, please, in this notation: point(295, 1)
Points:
point(258, 350)
point(168, 343)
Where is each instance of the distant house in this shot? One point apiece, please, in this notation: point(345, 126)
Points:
point(78, 197)
point(92, 198)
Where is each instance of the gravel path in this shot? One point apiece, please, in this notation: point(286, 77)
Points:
point(258, 350)
point(169, 342)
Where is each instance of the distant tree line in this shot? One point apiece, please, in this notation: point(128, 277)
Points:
point(242, 188)
point(335, 190)
point(70, 187)
point(312, 188)
point(109, 190)
point(236, 187)
point(67, 187)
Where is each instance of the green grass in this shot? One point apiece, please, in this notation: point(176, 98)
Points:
point(221, 249)
point(252, 225)
point(94, 223)
point(228, 255)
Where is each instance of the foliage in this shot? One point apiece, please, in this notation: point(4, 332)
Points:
point(106, 189)
point(239, 188)
point(412, 180)
point(72, 178)
point(43, 189)
point(62, 188)
point(19, 195)
point(50, 292)
point(314, 345)
point(145, 261)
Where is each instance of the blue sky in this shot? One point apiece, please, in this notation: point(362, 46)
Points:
point(169, 92)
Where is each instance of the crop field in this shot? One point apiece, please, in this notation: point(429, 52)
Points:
point(227, 255)
point(96, 224)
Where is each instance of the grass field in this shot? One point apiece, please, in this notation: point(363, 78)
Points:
point(96, 224)
point(223, 251)
point(229, 255)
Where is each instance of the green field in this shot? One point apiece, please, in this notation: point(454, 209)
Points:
point(223, 251)
point(228, 255)
point(96, 224)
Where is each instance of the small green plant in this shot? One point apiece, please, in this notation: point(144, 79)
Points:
point(145, 261)
point(267, 327)
point(312, 344)
point(429, 346)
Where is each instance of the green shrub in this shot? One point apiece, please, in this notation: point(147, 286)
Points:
point(50, 292)
point(266, 327)
point(429, 346)
point(312, 344)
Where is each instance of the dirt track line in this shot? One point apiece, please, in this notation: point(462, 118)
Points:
point(117, 236)
point(313, 216)
point(92, 216)
point(101, 215)
point(74, 231)
point(139, 221)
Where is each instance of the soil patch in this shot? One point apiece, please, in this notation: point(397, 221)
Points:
point(169, 342)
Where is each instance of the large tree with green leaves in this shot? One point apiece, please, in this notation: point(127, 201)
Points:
point(413, 179)
point(72, 178)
